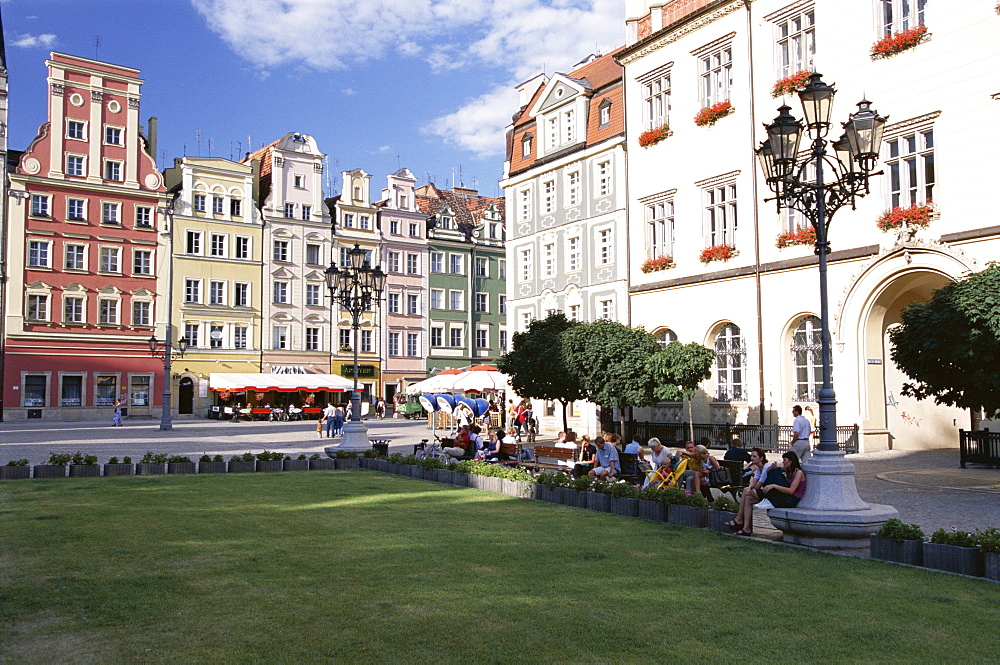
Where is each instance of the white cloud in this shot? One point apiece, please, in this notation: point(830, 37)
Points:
point(383, 149)
point(478, 125)
point(29, 41)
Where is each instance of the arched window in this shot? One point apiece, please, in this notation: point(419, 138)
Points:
point(664, 336)
point(808, 358)
point(730, 365)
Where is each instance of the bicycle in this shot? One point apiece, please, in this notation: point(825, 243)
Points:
point(432, 451)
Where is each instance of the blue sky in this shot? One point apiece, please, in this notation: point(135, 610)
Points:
point(425, 84)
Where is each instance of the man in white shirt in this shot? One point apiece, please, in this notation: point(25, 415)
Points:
point(801, 431)
point(328, 413)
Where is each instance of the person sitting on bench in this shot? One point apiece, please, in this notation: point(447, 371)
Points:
point(606, 461)
point(461, 442)
point(493, 453)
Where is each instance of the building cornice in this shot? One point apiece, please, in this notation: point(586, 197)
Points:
point(679, 29)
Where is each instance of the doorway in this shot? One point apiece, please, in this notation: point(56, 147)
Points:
point(185, 396)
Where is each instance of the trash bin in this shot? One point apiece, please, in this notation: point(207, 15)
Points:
point(381, 448)
point(214, 412)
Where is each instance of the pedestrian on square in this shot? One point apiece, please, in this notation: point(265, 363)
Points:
point(328, 413)
point(116, 421)
point(801, 433)
point(338, 421)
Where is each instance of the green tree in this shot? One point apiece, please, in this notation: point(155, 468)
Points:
point(535, 363)
point(610, 360)
point(950, 346)
point(678, 369)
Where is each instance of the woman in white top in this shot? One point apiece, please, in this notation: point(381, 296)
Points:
point(759, 466)
point(659, 460)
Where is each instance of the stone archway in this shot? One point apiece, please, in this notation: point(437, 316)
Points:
point(185, 396)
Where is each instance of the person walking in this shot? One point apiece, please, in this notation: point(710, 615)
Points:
point(801, 432)
point(338, 422)
point(116, 421)
point(330, 413)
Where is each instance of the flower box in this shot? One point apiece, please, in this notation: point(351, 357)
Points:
point(712, 114)
point(563, 495)
point(576, 498)
point(460, 479)
point(688, 516)
point(791, 84)
point(803, 236)
point(954, 559)
point(211, 467)
point(598, 501)
point(624, 506)
point(181, 467)
point(242, 466)
point(84, 470)
point(918, 215)
point(898, 42)
point(654, 136)
point(445, 476)
point(295, 465)
point(270, 465)
point(150, 468)
point(347, 464)
point(119, 469)
point(19, 472)
point(901, 551)
point(652, 510)
point(717, 253)
point(991, 565)
point(659, 263)
point(717, 520)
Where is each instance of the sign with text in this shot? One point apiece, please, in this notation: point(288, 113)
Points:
point(364, 371)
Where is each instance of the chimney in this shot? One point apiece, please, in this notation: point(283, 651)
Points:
point(152, 137)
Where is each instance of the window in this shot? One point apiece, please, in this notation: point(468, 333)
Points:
point(366, 341)
point(312, 339)
point(76, 209)
point(659, 229)
point(604, 178)
point(76, 257)
point(482, 302)
point(526, 145)
point(503, 304)
point(142, 262)
point(527, 268)
point(107, 312)
point(38, 308)
point(113, 170)
point(313, 255)
point(218, 205)
point(192, 242)
point(139, 390)
point(199, 203)
point(437, 336)
point(289, 211)
point(363, 222)
point(73, 310)
point(549, 258)
point(524, 205)
point(218, 244)
point(437, 299)
point(345, 339)
point(313, 295)
point(39, 205)
point(75, 130)
point(412, 342)
point(911, 169)
point(807, 356)
point(604, 115)
point(113, 135)
point(242, 247)
point(573, 194)
point(607, 309)
point(393, 303)
point(412, 264)
point(493, 230)
point(191, 334)
point(503, 341)
point(456, 264)
point(280, 293)
point(71, 393)
point(394, 227)
point(109, 213)
point(192, 290)
point(215, 337)
point(796, 43)
point(307, 212)
point(298, 181)
point(526, 318)
point(74, 165)
point(141, 313)
point(345, 257)
point(605, 251)
point(414, 230)
point(241, 294)
point(574, 312)
point(392, 262)
point(455, 300)
point(456, 337)
point(110, 259)
point(38, 253)
point(279, 338)
point(143, 216)
point(280, 250)
point(412, 304)
point(482, 266)
point(394, 344)
point(503, 268)
point(901, 15)
point(348, 221)
point(665, 336)
point(552, 132)
point(34, 389)
point(720, 215)
point(216, 292)
point(548, 196)
point(730, 363)
point(569, 126)
point(482, 338)
point(573, 254)
point(716, 76)
point(236, 207)
point(437, 262)
point(239, 337)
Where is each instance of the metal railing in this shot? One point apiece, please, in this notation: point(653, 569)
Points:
point(979, 447)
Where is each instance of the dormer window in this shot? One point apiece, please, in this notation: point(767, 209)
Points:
point(605, 113)
point(445, 222)
point(526, 145)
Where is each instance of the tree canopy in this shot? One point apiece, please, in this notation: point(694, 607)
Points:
point(678, 369)
point(950, 346)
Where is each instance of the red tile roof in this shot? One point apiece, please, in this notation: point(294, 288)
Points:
point(466, 203)
point(266, 160)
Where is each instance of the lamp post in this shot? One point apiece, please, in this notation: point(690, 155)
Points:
point(830, 514)
point(167, 354)
point(355, 289)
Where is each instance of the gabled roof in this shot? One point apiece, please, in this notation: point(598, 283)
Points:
point(265, 155)
point(465, 204)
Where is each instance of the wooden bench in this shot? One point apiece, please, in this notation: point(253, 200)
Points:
point(555, 453)
point(510, 454)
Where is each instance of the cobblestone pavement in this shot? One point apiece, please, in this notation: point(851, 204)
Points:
point(926, 487)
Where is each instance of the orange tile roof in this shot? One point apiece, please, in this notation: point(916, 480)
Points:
point(266, 160)
point(467, 204)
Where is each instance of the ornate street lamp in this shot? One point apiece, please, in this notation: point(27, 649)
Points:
point(831, 514)
point(167, 354)
point(355, 289)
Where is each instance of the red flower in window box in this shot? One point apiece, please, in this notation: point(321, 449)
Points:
point(712, 114)
point(791, 84)
point(659, 263)
point(892, 44)
point(918, 215)
point(801, 236)
point(653, 136)
point(717, 253)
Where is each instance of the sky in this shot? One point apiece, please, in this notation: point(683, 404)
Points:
point(382, 84)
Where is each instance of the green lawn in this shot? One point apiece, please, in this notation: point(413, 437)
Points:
point(359, 566)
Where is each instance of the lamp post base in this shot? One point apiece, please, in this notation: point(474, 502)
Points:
point(831, 515)
point(355, 439)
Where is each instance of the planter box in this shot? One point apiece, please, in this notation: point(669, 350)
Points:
point(119, 469)
point(543, 493)
point(717, 520)
point(150, 469)
point(211, 467)
point(49, 471)
point(15, 472)
point(393, 467)
point(907, 551)
point(578, 499)
point(510, 487)
point(346, 463)
point(991, 565)
point(624, 507)
point(181, 467)
point(597, 501)
point(963, 560)
point(295, 465)
point(323, 464)
point(563, 495)
point(241, 466)
point(270, 465)
point(445, 476)
point(382, 465)
point(84, 470)
point(652, 510)
point(688, 516)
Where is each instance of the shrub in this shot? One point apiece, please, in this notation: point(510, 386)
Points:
point(205, 459)
point(302, 456)
point(315, 456)
point(267, 456)
point(126, 460)
point(345, 454)
point(673, 496)
point(899, 531)
point(217, 458)
point(178, 459)
point(695, 501)
point(153, 458)
point(988, 539)
point(623, 490)
point(553, 480)
point(953, 537)
point(395, 458)
point(18, 462)
point(113, 460)
point(59, 459)
point(582, 484)
point(248, 456)
point(725, 504)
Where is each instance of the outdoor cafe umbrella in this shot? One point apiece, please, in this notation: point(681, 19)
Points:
point(480, 378)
